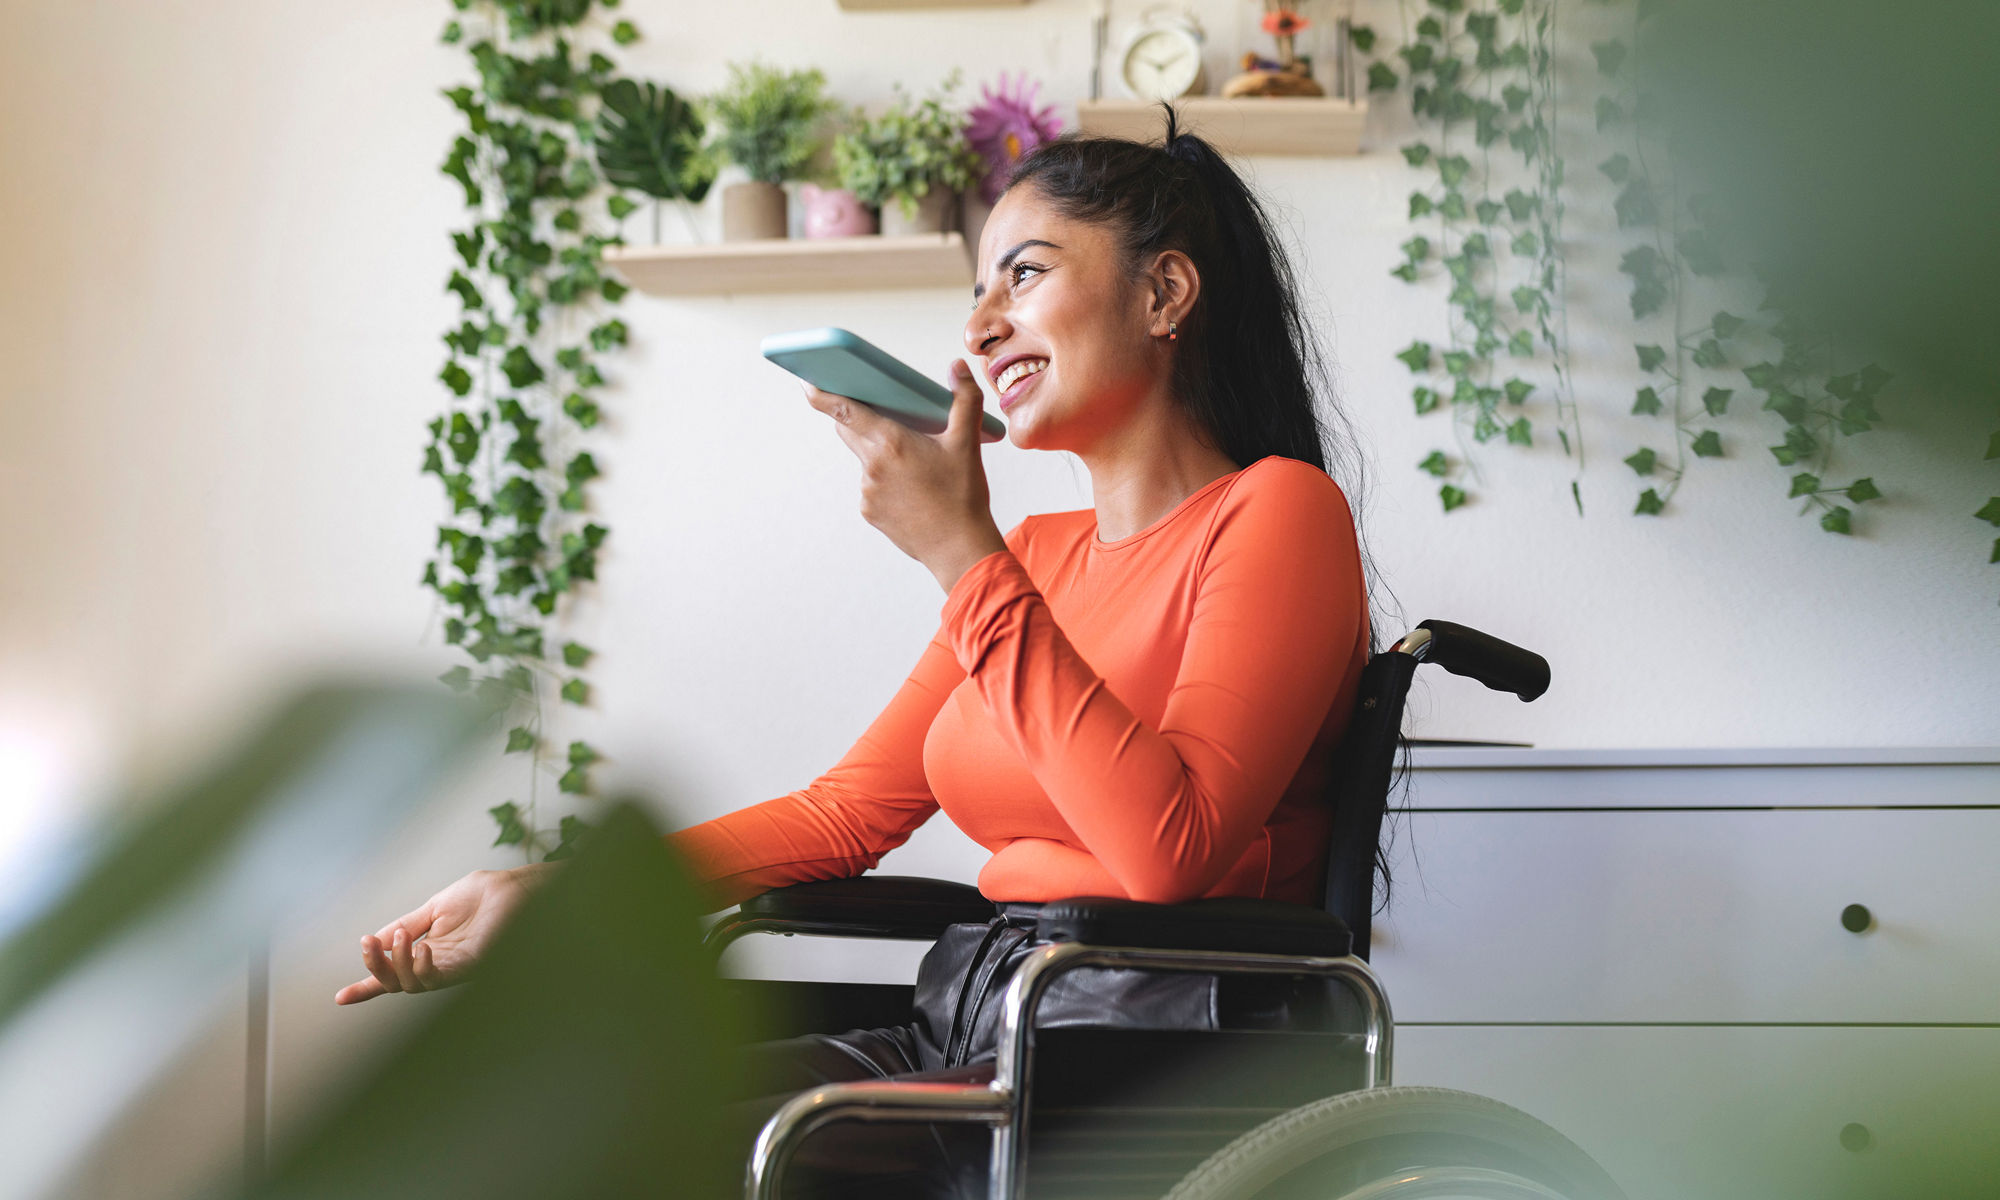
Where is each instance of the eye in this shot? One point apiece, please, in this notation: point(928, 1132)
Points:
point(1015, 271)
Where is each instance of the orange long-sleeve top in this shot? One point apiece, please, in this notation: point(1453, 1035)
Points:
point(1152, 717)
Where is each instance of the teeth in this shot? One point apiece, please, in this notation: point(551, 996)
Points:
point(1013, 374)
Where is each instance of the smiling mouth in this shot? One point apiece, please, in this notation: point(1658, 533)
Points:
point(1019, 386)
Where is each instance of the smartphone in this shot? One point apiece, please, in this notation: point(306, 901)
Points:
point(834, 360)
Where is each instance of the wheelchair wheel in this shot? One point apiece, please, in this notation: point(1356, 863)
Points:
point(1400, 1143)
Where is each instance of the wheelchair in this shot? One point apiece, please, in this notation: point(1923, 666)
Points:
point(1261, 1113)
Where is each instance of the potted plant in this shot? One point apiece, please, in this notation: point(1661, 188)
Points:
point(768, 123)
point(912, 161)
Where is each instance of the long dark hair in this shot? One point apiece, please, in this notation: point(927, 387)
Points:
point(1253, 370)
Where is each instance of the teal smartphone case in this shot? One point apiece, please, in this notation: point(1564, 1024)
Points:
point(834, 360)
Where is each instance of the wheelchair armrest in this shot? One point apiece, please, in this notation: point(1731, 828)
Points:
point(896, 906)
point(1220, 923)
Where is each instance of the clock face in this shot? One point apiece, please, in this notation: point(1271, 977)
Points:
point(1162, 65)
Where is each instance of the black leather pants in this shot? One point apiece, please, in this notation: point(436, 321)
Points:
point(954, 1036)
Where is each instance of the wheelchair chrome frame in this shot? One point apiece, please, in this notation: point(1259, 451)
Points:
point(1003, 1104)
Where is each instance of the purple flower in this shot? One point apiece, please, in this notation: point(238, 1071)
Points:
point(1005, 126)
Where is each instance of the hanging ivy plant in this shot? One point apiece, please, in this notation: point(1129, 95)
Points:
point(522, 369)
point(1481, 75)
point(1804, 385)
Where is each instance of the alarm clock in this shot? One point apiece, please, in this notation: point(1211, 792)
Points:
point(1162, 58)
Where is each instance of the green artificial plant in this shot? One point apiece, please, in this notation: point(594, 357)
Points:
point(521, 372)
point(908, 150)
point(770, 119)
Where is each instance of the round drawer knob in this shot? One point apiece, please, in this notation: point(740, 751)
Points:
point(1855, 1137)
point(1856, 918)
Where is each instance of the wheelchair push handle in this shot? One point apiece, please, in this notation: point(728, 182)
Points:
point(1502, 666)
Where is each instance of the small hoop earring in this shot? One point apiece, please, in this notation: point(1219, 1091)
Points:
point(1173, 332)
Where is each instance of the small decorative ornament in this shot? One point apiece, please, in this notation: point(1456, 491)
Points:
point(1162, 60)
point(1289, 75)
point(1005, 126)
point(1173, 332)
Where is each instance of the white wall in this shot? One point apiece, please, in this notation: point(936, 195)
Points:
point(223, 238)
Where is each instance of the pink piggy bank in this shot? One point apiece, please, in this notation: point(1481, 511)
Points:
point(834, 212)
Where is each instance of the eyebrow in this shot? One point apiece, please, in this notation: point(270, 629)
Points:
point(1007, 260)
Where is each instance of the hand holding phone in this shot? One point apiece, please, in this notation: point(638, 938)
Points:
point(845, 364)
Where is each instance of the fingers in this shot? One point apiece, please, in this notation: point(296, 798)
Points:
point(376, 959)
point(415, 923)
point(356, 992)
point(967, 403)
point(405, 966)
point(427, 972)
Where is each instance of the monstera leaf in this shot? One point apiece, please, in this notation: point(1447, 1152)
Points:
point(649, 140)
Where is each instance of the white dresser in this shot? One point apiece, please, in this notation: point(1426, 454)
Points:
point(1724, 973)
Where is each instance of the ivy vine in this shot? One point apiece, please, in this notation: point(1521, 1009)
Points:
point(1486, 70)
point(521, 369)
point(1683, 236)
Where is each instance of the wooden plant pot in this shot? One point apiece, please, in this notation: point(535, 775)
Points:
point(934, 213)
point(753, 210)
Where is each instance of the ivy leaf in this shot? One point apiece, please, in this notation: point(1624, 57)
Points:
point(1435, 463)
point(1650, 504)
point(1803, 484)
point(1716, 400)
point(1526, 297)
point(1517, 390)
point(1516, 96)
point(582, 755)
point(1521, 344)
point(1708, 444)
point(1835, 520)
point(1521, 205)
point(1363, 37)
point(1789, 405)
point(1517, 432)
point(456, 378)
point(519, 738)
point(1863, 490)
point(1641, 460)
point(1725, 325)
point(1991, 513)
point(580, 468)
point(1488, 211)
point(1709, 354)
point(1426, 400)
point(458, 678)
point(1407, 272)
point(576, 691)
point(1762, 375)
point(570, 833)
point(1610, 55)
point(624, 33)
point(1457, 363)
point(1525, 244)
point(1417, 153)
point(521, 367)
point(1636, 205)
point(1451, 497)
point(1485, 428)
point(1417, 356)
point(574, 781)
point(1646, 403)
point(580, 409)
point(1452, 207)
point(1650, 357)
point(576, 654)
point(605, 336)
point(468, 294)
point(612, 290)
point(508, 817)
point(1420, 205)
point(1785, 455)
point(1617, 168)
point(1381, 78)
point(619, 206)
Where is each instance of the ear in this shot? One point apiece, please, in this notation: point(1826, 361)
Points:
point(1172, 283)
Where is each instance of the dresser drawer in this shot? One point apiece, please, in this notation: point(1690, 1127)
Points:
point(1736, 1113)
point(1660, 917)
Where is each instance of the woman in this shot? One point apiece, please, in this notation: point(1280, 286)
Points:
point(1139, 699)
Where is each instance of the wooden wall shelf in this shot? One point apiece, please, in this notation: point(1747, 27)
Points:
point(1251, 125)
point(796, 264)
